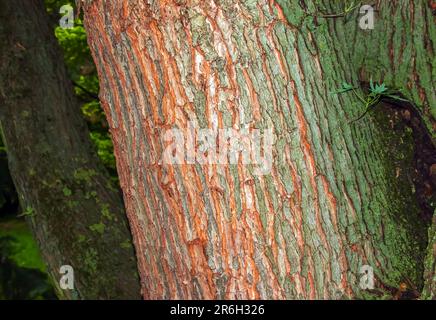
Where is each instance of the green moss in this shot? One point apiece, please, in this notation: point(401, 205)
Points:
point(81, 238)
point(84, 175)
point(91, 194)
point(126, 244)
point(72, 204)
point(25, 252)
point(25, 114)
point(98, 227)
point(106, 212)
point(67, 192)
point(91, 260)
point(429, 291)
point(374, 295)
point(405, 235)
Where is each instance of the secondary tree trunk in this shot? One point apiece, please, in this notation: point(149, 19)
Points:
point(338, 195)
point(75, 213)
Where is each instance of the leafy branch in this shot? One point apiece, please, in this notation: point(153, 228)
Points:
point(377, 92)
point(90, 94)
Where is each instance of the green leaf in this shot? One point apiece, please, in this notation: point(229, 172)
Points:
point(371, 84)
point(380, 88)
point(345, 88)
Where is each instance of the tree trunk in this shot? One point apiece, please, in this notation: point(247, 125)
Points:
point(338, 195)
point(429, 291)
point(75, 213)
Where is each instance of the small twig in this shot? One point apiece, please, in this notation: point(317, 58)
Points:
point(342, 14)
point(89, 93)
point(338, 15)
point(362, 115)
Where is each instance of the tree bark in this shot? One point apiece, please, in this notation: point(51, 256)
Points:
point(333, 201)
point(429, 291)
point(74, 211)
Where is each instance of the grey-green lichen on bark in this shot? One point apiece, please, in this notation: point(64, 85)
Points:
point(365, 54)
point(399, 247)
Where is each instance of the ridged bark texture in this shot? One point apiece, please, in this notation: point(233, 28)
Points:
point(75, 213)
point(332, 202)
